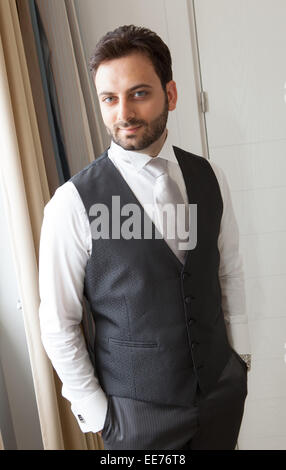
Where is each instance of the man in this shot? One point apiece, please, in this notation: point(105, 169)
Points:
point(171, 337)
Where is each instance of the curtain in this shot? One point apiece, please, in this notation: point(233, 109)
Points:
point(25, 191)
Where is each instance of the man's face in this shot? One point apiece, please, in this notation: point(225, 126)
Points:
point(133, 103)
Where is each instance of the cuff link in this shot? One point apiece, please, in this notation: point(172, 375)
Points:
point(81, 419)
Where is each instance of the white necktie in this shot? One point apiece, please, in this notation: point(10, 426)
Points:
point(170, 210)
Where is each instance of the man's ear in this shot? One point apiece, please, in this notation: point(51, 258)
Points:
point(172, 94)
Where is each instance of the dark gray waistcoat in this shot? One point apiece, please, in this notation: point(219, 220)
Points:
point(159, 324)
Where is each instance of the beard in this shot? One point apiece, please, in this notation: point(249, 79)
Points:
point(152, 131)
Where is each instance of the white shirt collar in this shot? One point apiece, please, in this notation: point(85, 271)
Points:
point(139, 160)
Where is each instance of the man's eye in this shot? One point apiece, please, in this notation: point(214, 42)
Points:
point(108, 99)
point(140, 94)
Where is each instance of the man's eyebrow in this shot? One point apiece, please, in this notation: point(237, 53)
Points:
point(140, 85)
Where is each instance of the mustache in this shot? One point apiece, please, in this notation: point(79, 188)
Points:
point(130, 123)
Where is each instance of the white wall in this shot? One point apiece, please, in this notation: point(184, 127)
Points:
point(19, 422)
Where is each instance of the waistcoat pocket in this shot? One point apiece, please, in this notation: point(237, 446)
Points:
point(133, 344)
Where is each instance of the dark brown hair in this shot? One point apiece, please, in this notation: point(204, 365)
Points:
point(128, 39)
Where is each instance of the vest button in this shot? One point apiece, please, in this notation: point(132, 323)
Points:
point(192, 320)
point(194, 344)
point(187, 299)
point(185, 276)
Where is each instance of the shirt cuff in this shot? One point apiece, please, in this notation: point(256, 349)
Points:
point(91, 412)
point(247, 359)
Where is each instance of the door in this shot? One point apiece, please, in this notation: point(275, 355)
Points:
point(241, 45)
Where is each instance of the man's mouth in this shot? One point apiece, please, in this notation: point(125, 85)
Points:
point(129, 130)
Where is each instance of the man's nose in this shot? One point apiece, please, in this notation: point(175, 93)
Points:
point(125, 111)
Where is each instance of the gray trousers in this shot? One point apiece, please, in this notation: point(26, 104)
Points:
point(210, 422)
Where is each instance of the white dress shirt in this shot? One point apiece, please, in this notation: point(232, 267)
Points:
point(65, 248)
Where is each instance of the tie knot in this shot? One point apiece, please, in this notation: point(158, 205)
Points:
point(157, 166)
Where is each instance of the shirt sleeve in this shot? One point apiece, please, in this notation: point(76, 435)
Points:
point(65, 246)
point(231, 272)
